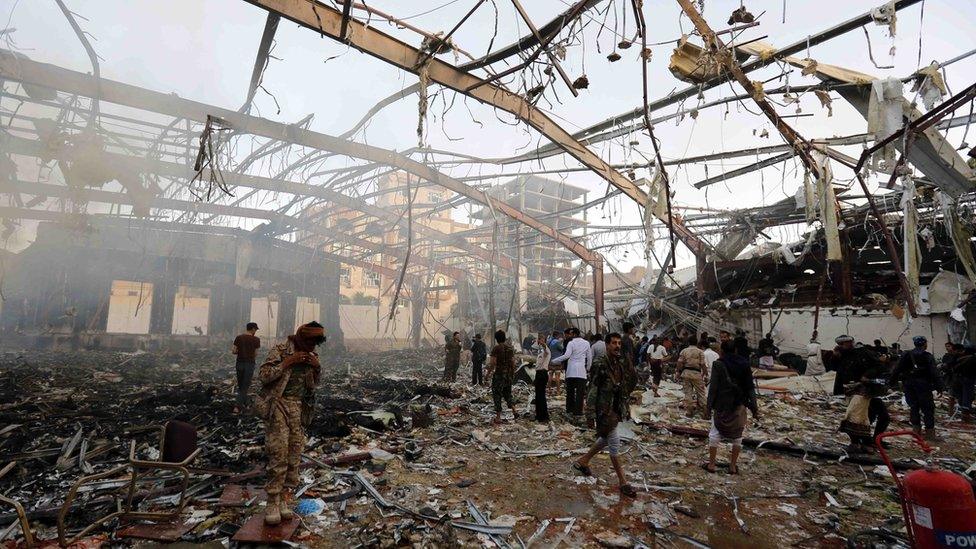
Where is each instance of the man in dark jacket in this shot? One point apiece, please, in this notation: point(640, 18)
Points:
point(768, 351)
point(919, 377)
point(741, 343)
point(964, 382)
point(479, 354)
point(731, 392)
point(852, 363)
point(947, 369)
point(452, 357)
point(860, 372)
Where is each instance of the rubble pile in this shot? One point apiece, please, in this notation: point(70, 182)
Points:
point(397, 459)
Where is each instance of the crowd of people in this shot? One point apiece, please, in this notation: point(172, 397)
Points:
point(866, 374)
point(716, 378)
point(599, 373)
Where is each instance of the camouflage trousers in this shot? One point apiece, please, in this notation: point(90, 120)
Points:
point(284, 442)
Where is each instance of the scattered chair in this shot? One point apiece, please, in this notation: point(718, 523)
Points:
point(177, 449)
point(21, 515)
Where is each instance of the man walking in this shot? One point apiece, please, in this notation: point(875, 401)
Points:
point(245, 347)
point(656, 355)
point(730, 393)
point(614, 377)
point(452, 357)
point(501, 369)
point(288, 380)
point(542, 358)
point(577, 358)
point(693, 377)
point(479, 353)
point(919, 376)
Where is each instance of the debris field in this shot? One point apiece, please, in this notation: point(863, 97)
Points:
point(396, 458)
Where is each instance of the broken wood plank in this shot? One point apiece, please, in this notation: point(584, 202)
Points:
point(256, 531)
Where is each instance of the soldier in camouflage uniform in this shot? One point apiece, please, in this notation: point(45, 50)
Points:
point(613, 378)
point(501, 370)
point(288, 380)
point(452, 357)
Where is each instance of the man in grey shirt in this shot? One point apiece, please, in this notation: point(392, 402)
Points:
point(598, 347)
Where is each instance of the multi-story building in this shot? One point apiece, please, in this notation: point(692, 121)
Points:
point(556, 204)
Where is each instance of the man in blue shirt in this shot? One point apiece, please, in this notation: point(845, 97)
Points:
point(556, 350)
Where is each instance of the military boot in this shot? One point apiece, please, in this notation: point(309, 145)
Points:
point(272, 514)
point(287, 501)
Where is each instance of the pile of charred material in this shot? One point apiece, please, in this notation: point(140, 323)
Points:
point(69, 415)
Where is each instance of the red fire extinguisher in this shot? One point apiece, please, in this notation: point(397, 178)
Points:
point(939, 506)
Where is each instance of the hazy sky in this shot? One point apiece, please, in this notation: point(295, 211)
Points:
point(204, 50)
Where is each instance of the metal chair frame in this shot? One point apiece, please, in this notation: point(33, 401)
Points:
point(19, 509)
point(136, 466)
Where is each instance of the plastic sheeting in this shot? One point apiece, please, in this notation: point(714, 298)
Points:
point(828, 207)
point(885, 118)
point(930, 85)
point(913, 256)
point(947, 290)
point(961, 237)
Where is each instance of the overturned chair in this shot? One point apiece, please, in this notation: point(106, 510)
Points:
point(177, 449)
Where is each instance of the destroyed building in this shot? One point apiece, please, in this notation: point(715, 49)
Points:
point(171, 172)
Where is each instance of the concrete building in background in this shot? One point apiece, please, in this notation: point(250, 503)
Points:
point(556, 203)
point(366, 296)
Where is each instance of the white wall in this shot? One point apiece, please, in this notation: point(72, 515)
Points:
point(307, 309)
point(366, 326)
point(128, 307)
point(795, 326)
point(191, 310)
point(264, 311)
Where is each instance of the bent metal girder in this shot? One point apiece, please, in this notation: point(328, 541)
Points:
point(21, 69)
point(327, 21)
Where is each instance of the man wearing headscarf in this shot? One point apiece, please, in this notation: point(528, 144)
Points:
point(863, 377)
point(815, 363)
point(288, 379)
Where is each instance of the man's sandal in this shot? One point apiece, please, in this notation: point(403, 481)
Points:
point(628, 491)
point(583, 469)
